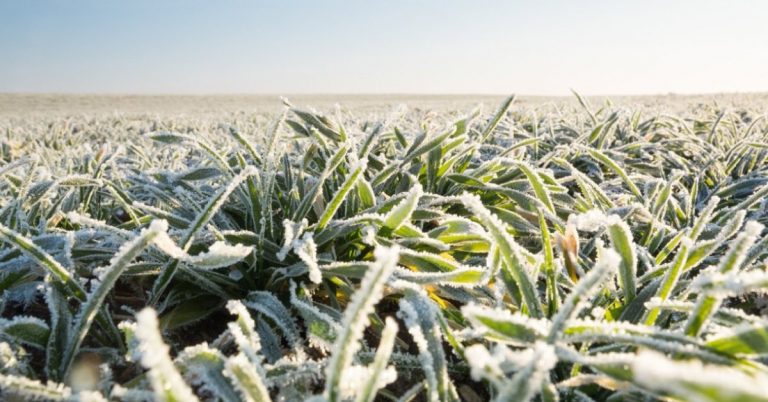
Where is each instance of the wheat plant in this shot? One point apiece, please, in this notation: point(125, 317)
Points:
point(560, 253)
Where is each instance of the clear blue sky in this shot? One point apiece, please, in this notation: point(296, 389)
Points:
point(393, 46)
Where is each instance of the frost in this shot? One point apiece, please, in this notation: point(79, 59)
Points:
point(355, 376)
point(593, 220)
point(8, 361)
point(166, 381)
point(307, 251)
point(90, 396)
point(531, 366)
point(401, 213)
point(608, 262)
point(356, 317)
point(330, 327)
point(83, 220)
point(422, 320)
point(460, 277)
point(482, 364)
point(694, 381)
point(409, 314)
point(246, 379)
point(486, 318)
point(731, 284)
point(243, 330)
point(369, 235)
point(219, 254)
point(32, 389)
point(291, 232)
point(270, 306)
point(468, 272)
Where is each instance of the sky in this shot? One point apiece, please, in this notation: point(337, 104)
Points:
point(545, 47)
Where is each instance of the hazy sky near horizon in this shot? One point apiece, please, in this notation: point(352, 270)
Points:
point(394, 46)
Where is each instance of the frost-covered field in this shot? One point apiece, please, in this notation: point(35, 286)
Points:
point(544, 249)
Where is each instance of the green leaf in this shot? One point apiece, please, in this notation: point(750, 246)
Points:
point(356, 319)
point(502, 326)
point(401, 213)
point(500, 112)
point(26, 330)
point(341, 193)
point(751, 340)
point(510, 254)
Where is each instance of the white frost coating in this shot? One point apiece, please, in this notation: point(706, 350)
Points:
point(598, 313)
point(408, 314)
point(474, 312)
point(90, 396)
point(360, 218)
point(737, 253)
point(66, 252)
point(130, 394)
point(8, 359)
point(594, 220)
point(236, 307)
point(401, 212)
point(291, 232)
point(19, 162)
point(436, 259)
point(379, 373)
point(356, 317)
point(158, 228)
point(633, 334)
point(21, 319)
point(531, 366)
point(107, 278)
point(157, 211)
point(567, 354)
point(465, 277)
point(482, 364)
point(737, 331)
point(37, 254)
point(416, 242)
point(307, 309)
point(607, 262)
point(691, 380)
point(163, 376)
point(306, 249)
point(355, 376)
point(544, 359)
point(32, 389)
point(83, 220)
point(512, 254)
point(753, 228)
point(215, 203)
point(468, 227)
point(246, 378)
point(514, 359)
point(672, 305)
point(243, 332)
point(731, 284)
point(356, 163)
point(369, 235)
point(219, 254)
point(199, 362)
point(403, 285)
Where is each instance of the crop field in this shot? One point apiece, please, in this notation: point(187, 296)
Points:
point(384, 249)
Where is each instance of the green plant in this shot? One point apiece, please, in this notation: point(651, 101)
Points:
point(611, 255)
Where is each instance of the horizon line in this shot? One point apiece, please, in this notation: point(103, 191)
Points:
point(370, 94)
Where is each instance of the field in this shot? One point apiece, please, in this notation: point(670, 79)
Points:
point(391, 248)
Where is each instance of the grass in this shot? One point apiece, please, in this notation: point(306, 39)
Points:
point(569, 251)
